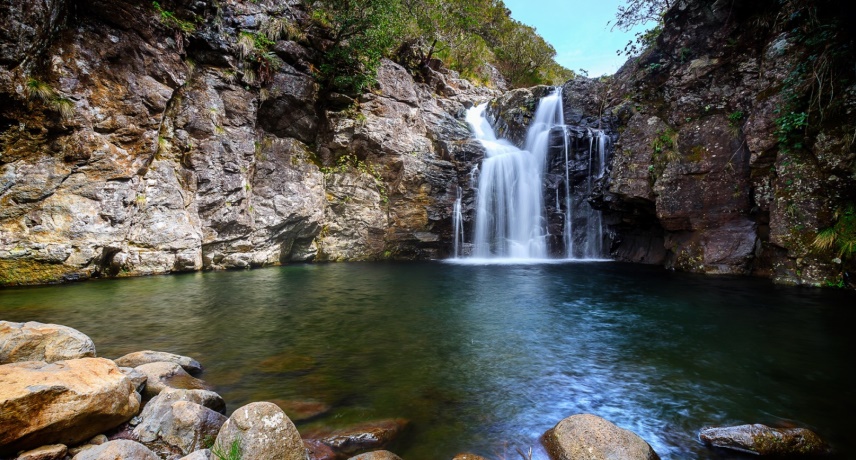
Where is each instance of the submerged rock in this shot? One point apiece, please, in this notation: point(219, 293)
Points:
point(260, 430)
point(299, 411)
point(376, 455)
point(64, 402)
point(34, 341)
point(360, 438)
point(593, 438)
point(139, 358)
point(763, 440)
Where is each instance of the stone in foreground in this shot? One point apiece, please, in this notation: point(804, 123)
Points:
point(138, 358)
point(65, 402)
point(177, 420)
point(590, 437)
point(762, 440)
point(376, 455)
point(161, 375)
point(260, 430)
point(34, 341)
point(49, 452)
point(118, 449)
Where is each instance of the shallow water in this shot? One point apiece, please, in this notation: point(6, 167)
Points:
point(486, 358)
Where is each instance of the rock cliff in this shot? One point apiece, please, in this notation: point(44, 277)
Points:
point(736, 143)
point(140, 138)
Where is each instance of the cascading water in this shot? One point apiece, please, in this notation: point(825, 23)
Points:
point(458, 224)
point(510, 220)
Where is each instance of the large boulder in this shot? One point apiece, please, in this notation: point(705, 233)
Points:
point(163, 375)
point(64, 402)
point(593, 438)
point(260, 430)
point(363, 437)
point(33, 341)
point(178, 421)
point(138, 358)
point(118, 449)
point(763, 440)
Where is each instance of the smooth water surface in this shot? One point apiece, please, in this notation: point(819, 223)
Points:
point(486, 358)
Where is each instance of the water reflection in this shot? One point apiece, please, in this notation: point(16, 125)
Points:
point(486, 358)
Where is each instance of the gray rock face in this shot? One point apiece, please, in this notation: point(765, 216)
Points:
point(165, 168)
point(702, 178)
point(64, 402)
point(139, 358)
point(260, 430)
point(762, 440)
point(121, 448)
point(177, 420)
point(34, 341)
point(591, 437)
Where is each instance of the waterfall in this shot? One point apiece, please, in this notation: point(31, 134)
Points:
point(510, 218)
point(458, 224)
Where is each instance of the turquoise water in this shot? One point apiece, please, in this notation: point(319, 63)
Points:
point(486, 358)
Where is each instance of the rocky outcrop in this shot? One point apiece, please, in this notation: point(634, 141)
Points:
point(64, 402)
point(766, 441)
point(129, 146)
point(260, 430)
point(33, 341)
point(589, 436)
point(727, 160)
point(138, 358)
point(180, 421)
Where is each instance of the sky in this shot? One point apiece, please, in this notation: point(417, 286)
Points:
point(578, 30)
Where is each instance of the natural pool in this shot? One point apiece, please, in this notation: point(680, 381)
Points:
point(486, 358)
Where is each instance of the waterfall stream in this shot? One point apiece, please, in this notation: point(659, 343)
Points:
point(510, 218)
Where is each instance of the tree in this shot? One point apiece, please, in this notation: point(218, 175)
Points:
point(362, 32)
point(638, 12)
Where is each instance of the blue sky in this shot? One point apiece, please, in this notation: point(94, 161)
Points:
point(578, 31)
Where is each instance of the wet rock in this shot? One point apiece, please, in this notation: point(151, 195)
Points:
point(139, 358)
point(376, 455)
point(362, 437)
point(121, 448)
point(261, 430)
point(34, 341)
point(763, 440)
point(591, 437)
point(317, 450)
point(176, 420)
point(168, 375)
point(299, 411)
point(468, 456)
point(64, 402)
point(50, 452)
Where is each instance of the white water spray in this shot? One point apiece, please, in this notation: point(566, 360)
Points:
point(510, 220)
